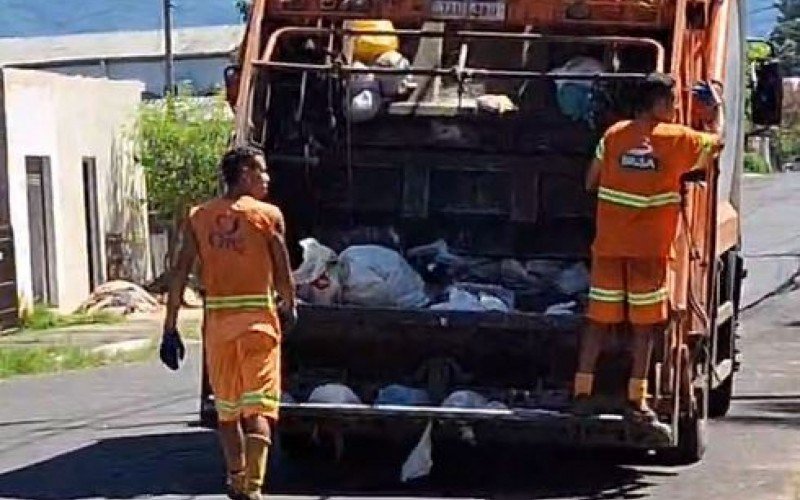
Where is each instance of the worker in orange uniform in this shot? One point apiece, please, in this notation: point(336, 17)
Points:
point(638, 167)
point(244, 261)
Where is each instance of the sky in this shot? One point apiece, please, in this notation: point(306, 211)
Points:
point(61, 17)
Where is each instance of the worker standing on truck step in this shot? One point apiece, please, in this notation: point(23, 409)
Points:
point(244, 261)
point(637, 172)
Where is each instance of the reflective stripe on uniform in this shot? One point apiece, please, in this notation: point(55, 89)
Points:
point(263, 399)
point(257, 398)
point(600, 150)
point(602, 295)
point(648, 299)
point(707, 142)
point(637, 200)
point(263, 301)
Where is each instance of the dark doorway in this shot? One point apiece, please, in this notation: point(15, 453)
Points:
point(92, 212)
point(9, 317)
point(40, 227)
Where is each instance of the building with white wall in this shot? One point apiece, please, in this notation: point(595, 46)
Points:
point(70, 181)
point(201, 55)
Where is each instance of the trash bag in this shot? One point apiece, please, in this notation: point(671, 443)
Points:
point(574, 279)
point(378, 277)
point(365, 104)
point(435, 263)
point(476, 297)
point(334, 394)
point(493, 297)
point(400, 395)
point(317, 278)
point(393, 85)
point(419, 462)
point(465, 399)
point(492, 303)
point(496, 104)
point(575, 96)
point(459, 300)
point(562, 308)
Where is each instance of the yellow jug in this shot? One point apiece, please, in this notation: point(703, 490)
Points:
point(367, 48)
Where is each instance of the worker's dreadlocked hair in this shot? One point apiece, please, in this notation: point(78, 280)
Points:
point(655, 87)
point(233, 161)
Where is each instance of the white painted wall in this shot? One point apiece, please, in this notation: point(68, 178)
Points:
point(203, 74)
point(67, 119)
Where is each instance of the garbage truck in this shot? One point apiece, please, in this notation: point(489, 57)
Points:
point(443, 144)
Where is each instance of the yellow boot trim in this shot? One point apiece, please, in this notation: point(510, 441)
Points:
point(256, 448)
point(637, 390)
point(584, 383)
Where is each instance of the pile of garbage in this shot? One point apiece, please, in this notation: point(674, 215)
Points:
point(121, 297)
point(369, 91)
point(430, 276)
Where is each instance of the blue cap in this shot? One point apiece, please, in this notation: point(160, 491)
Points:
point(703, 92)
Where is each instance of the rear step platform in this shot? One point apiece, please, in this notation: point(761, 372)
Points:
point(531, 424)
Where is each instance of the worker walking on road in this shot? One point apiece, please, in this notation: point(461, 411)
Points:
point(244, 261)
point(637, 167)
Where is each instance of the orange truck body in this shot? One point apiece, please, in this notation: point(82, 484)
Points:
point(694, 40)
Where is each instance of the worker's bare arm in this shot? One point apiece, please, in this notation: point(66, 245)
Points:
point(593, 175)
point(284, 284)
point(186, 259)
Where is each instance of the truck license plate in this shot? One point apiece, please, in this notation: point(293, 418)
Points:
point(467, 9)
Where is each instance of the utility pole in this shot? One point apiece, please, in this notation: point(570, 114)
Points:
point(169, 66)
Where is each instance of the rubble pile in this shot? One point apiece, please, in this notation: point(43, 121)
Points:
point(121, 297)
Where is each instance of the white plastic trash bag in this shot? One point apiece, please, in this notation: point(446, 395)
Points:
point(563, 308)
point(497, 104)
point(459, 300)
point(465, 399)
point(393, 85)
point(333, 394)
point(399, 395)
point(317, 278)
point(375, 276)
point(366, 103)
point(492, 303)
point(420, 462)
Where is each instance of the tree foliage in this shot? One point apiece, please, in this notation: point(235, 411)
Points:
point(180, 141)
point(786, 36)
point(243, 6)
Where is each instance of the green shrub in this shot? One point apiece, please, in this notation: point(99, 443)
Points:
point(755, 163)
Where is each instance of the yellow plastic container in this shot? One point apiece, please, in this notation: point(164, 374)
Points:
point(367, 48)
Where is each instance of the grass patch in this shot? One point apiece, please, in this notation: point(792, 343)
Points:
point(16, 361)
point(42, 318)
point(755, 163)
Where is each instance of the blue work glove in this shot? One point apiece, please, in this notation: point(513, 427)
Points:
point(172, 350)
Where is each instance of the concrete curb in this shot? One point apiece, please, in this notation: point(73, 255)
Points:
point(116, 348)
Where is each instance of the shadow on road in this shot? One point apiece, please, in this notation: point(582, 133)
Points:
point(189, 464)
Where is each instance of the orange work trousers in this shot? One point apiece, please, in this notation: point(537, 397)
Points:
point(628, 289)
point(244, 371)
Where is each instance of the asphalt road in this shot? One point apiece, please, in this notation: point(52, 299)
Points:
point(124, 433)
